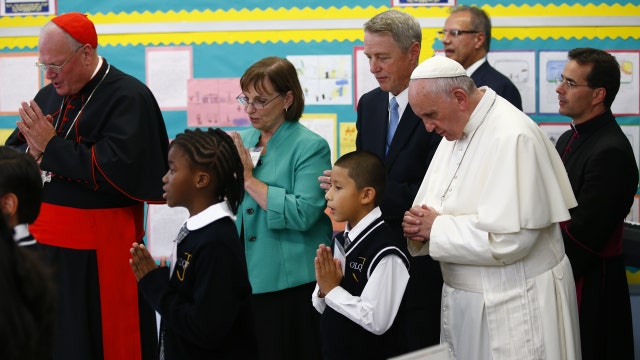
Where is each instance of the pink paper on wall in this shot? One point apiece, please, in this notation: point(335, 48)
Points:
point(212, 103)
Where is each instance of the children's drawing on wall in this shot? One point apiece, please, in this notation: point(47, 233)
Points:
point(168, 69)
point(364, 80)
point(163, 223)
point(520, 68)
point(212, 102)
point(20, 80)
point(633, 134)
point(627, 101)
point(27, 7)
point(325, 126)
point(551, 66)
point(634, 217)
point(348, 133)
point(554, 130)
point(325, 79)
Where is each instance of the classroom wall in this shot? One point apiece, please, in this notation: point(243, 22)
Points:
point(221, 39)
point(227, 39)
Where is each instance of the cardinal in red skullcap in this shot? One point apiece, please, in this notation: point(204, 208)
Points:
point(79, 27)
point(102, 146)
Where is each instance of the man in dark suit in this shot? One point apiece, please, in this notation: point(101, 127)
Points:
point(392, 44)
point(466, 38)
point(604, 176)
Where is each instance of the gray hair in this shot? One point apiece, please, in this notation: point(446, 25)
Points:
point(444, 86)
point(404, 28)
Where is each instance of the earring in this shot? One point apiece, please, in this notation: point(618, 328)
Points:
point(285, 110)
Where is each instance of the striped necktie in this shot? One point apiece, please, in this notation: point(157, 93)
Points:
point(182, 233)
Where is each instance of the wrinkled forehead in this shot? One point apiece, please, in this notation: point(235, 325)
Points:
point(460, 20)
point(421, 88)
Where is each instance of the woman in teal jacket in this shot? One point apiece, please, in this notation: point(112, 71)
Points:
point(281, 219)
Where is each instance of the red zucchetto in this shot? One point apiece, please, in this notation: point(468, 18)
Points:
point(79, 27)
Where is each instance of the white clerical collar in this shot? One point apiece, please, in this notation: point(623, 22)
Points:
point(95, 71)
point(471, 69)
point(363, 223)
point(209, 215)
point(480, 112)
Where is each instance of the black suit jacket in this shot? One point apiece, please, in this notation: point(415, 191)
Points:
point(486, 75)
point(410, 153)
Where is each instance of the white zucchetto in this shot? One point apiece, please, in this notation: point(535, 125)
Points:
point(438, 67)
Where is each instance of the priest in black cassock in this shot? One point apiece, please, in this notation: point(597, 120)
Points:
point(604, 177)
point(101, 143)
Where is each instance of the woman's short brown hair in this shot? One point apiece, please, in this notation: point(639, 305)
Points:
point(283, 77)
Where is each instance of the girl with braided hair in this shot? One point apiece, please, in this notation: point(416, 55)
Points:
point(204, 295)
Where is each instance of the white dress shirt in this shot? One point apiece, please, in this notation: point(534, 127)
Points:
point(376, 308)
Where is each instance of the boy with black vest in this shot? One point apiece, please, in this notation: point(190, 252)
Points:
point(361, 278)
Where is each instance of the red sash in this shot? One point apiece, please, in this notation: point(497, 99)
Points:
point(110, 232)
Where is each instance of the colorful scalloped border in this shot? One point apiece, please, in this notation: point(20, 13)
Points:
point(330, 35)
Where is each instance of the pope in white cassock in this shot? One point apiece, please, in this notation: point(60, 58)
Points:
point(488, 209)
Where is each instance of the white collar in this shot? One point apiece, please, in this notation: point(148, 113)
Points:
point(95, 71)
point(209, 215)
point(21, 231)
point(471, 69)
point(402, 99)
point(480, 112)
point(362, 224)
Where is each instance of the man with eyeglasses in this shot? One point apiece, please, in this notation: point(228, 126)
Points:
point(466, 38)
point(101, 144)
point(604, 176)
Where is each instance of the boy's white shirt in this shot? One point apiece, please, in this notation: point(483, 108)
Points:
point(376, 308)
